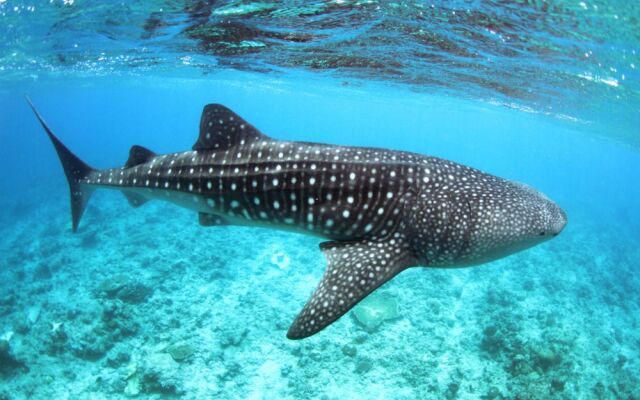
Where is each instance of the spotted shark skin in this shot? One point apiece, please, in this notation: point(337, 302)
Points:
point(383, 211)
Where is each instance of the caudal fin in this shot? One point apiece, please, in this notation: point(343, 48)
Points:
point(74, 168)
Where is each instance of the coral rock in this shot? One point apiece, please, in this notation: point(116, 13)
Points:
point(8, 363)
point(376, 309)
point(180, 352)
point(134, 293)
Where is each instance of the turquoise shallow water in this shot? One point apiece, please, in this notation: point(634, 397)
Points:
point(95, 314)
point(146, 303)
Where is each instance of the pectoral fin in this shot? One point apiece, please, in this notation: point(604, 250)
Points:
point(354, 270)
point(135, 199)
point(211, 220)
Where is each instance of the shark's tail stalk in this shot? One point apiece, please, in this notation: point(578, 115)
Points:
point(75, 169)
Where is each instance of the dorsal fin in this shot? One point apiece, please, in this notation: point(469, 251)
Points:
point(221, 129)
point(138, 155)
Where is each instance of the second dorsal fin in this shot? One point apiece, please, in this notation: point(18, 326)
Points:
point(221, 129)
point(138, 155)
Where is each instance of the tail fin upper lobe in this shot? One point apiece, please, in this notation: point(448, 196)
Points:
point(74, 168)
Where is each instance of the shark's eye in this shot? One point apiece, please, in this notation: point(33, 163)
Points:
point(542, 233)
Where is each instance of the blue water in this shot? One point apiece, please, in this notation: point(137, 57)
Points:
point(145, 303)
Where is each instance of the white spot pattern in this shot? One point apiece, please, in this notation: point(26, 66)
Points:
point(457, 214)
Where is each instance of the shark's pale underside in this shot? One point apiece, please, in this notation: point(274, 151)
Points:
point(382, 210)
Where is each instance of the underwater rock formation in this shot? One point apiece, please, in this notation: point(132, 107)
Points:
point(56, 341)
point(135, 293)
point(113, 284)
point(42, 272)
point(156, 374)
point(7, 302)
point(9, 364)
point(116, 323)
point(122, 287)
point(180, 351)
point(371, 312)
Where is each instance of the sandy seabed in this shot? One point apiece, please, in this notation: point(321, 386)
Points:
point(145, 303)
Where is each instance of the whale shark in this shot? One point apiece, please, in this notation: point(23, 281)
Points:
point(381, 211)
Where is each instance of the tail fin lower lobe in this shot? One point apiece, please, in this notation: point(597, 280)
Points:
point(74, 168)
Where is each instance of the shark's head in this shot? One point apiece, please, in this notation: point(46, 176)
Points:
point(494, 221)
point(520, 218)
